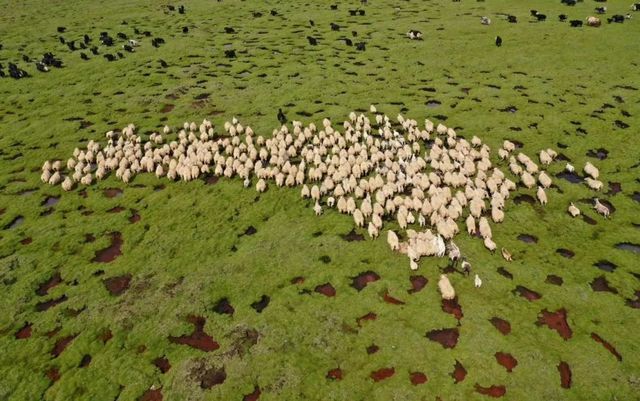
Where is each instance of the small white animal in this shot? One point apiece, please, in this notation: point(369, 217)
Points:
point(478, 281)
point(569, 167)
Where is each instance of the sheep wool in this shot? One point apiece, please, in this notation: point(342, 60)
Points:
point(445, 287)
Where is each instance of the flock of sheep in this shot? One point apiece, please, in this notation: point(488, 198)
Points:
point(425, 177)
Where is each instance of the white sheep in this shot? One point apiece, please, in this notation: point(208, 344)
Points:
point(445, 287)
point(573, 210)
point(477, 281)
point(594, 184)
point(600, 208)
point(591, 170)
point(392, 240)
point(542, 196)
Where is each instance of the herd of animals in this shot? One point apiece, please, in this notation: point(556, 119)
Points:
point(128, 45)
point(424, 177)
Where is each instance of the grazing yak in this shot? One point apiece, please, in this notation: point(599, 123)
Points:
point(414, 35)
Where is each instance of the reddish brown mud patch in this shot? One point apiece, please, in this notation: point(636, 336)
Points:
point(459, 372)
point(105, 336)
point(53, 374)
point(452, 307)
point(391, 300)
point(254, 396)
point(24, 332)
point(553, 279)
point(567, 253)
point(506, 360)
point(634, 303)
point(61, 344)
point(418, 378)
point(565, 374)
point(109, 254)
point(162, 363)
point(492, 391)
point(526, 293)
point(601, 284)
point(117, 285)
point(372, 349)
point(556, 321)
point(223, 306)
point(43, 289)
point(382, 374)
point(368, 316)
point(85, 361)
point(26, 241)
point(43, 306)
point(135, 217)
point(361, 280)
point(151, 395)
point(326, 289)
point(448, 338)
point(502, 325)
point(297, 280)
point(213, 377)
point(198, 338)
point(607, 345)
point(417, 283)
point(116, 209)
point(335, 374)
point(167, 108)
point(112, 192)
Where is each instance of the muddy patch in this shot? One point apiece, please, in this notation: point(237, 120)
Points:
point(223, 307)
point(494, 391)
point(151, 395)
point(167, 108)
point(117, 285)
point(382, 374)
point(368, 317)
point(61, 345)
point(588, 220)
point(528, 238)
point(571, 177)
point(565, 374)
point(607, 346)
point(335, 374)
point(459, 372)
point(600, 153)
point(54, 280)
point(85, 361)
point(417, 378)
point(606, 265)
point(506, 360)
point(451, 306)
point(109, 254)
point(526, 293)
point(553, 279)
point(112, 192)
point(325, 259)
point(433, 104)
point(254, 396)
point(116, 209)
point(556, 321)
point(391, 300)
point(23, 332)
point(50, 201)
point(26, 241)
point(43, 306)
point(326, 289)
point(600, 284)
point(372, 349)
point(634, 303)
point(360, 281)
point(352, 236)
point(567, 253)
point(628, 246)
point(163, 364)
point(212, 377)
point(198, 338)
point(505, 273)
point(524, 198)
point(448, 338)
point(16, 222)
point(417, 283)
point(53, 374)
point(502, 325)
point(135, 217)
point(261, 304)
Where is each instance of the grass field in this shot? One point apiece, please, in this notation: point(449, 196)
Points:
point(72, 328)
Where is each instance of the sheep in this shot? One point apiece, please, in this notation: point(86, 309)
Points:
point(471, 225)
point(305, 192)
point(544, 180)
point(489, 244)
point(261, 185)
point(527, 180)
point(392, 240)
point(506, 254)
point(372, 230)
point(596, 185)
point(485, 20)
point(542, 196)
point(413, 265)
point(317, 209)
point(477, 281)
point(569, 168)
point(573, 210)
point(454, 253)
point(46, 176)
point(484, 228)
point(55, 178)
point(591, 170)
point(67, 184)
point(445, 287)
point(545, 158)
point(466, 267)
point(600, 208)
point(358, 218)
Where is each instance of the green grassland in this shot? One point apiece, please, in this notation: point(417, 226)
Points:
point(187, 251)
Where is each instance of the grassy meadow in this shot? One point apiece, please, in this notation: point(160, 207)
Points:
point(65, 335)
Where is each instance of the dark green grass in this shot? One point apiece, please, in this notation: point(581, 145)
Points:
point(179, 253)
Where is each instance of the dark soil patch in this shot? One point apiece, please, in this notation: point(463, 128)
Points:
point(502, 325)
point(26, 241)
point(507, 360)
point(391, 300)
point(417, 283)
point(448, 338)
point(167, 108)
point(250, 230)
point(117, 285)
point(112, 192)
point(261, 304)
point(383, 373)
point(297, 280)
point(116, 209)
point(556, 321)
point(43, 289)
point(524, 292)
point(211, 180)
point(368, 317)
point(524, 198)
point(212, 377)
point(634, 303)
point(636, 196)
point(135, 217)
point(621, 124)
point(459, 372)
point(600, 153)
point(601, 284)
point(360, 281)
point(418, 378)
point(352, 236)
point(528, 238)
point(88, 238)
point(53, 374)
point(509, 109)
point(223, 306)
point(335, 374)
point(43, 306)
point(627, 246)
point(607, 345)
point(198, 338)
point(254, 396)
point(162, 363)
point(588, 220)
point(571, 177)
point(565, 253)
point(23, 332)
point(151, 395)
point(14, 223)
point(492, 391)
point(372, 349)
point(325, 259)
point(606, 265)
point(553, 279)
point(452, 307)
point(505, 273)
point(565, 374)
point(50, 201)
point(85, 361)
point(110, 253)
point(326, 289)
point(105, 336)
point(61, 344)
point(433, 104)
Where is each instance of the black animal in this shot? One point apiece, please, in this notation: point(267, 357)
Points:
point(42, 67)
point(61, 29)
point(601, 10)
point(16, 73)
point(281, 117)
point(361, 12)
point(533, 12)
point(120, 55)
point(87, 39)
point(128, 48)
point(136, 31)
point(181, 9)
point(163, 63)
point(569, 2)
point(229, 29)
point(146, 33)
point(230, 53)
point(171, 8)
point(50, 60)
point(185, 29)
point(562, 17)
point(335, 27)
point(575, 23)
point(512, 19)
point(354, 33)
point(72, 45)
point(25, 58)
point(635, 7)
point(616, 18)
point(106, 40)
point(94, 50)
point(334, 6)
point(122, 36)
point(498, 41)
point(353, 12)
point(541, 17)
point(273, 12)
point(360, 46)
point(348, 42)
point(62, 40)
point(312, 41)
point(257, 14)
point(156, 42)
point(110, 57)
point(312, 23)
point(84, 56)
